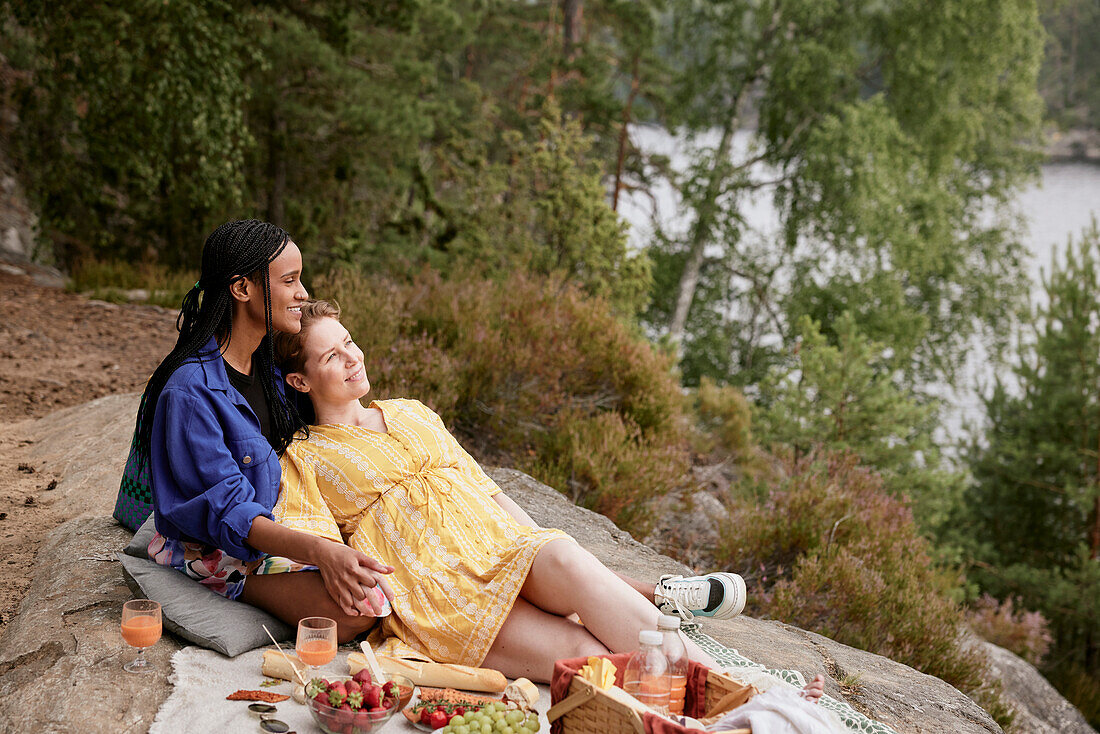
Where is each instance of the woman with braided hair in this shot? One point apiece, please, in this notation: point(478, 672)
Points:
point(212, 422)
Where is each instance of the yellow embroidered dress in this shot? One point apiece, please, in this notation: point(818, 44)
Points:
point(414, 499)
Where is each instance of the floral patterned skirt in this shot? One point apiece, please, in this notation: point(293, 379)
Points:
point(213, 568)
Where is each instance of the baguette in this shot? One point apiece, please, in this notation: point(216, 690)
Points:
point(523, 692)
point(436, 675)
point(276, 666)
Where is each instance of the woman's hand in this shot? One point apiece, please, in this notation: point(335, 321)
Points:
point(348, 573)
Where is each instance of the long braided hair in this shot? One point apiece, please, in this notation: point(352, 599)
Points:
point(232, 251)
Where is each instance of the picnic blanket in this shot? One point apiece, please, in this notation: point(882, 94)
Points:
point(203, 678)
point(753, 673)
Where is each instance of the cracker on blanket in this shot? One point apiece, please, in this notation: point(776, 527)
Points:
point(265, 696)
point(432, 696)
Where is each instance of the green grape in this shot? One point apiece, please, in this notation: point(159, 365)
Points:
point(523, 730)
point(457, 720)
point(498, 706)
point(507, 730)
point(514, 717)
point(486, 728)
point(498, 715)
point(462, 729)
point(533, 723)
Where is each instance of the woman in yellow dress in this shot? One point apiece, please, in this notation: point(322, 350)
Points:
point(476, 581)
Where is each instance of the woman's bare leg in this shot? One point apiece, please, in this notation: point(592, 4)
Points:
point(531, 640)
point(292, 596)
point(644, 588)
point(566, 579)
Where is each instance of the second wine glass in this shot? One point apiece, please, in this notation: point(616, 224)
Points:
point(316, 643)
point(141, 625)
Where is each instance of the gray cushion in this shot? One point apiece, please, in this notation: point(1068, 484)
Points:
point(139, 545)
point(195, 613)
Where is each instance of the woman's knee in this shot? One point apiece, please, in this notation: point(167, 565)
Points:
point(585, 646)
point(566, 559)
point(348, 628)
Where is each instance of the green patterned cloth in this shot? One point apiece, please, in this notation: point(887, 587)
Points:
point(852, 719)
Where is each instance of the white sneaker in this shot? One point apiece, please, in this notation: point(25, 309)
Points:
point(715, 595)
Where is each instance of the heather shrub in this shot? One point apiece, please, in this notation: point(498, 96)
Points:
point(723, 419)
point(820, 501)
point(532, 372)
point(605, 463)
point(1025, 633)
point(826, 548)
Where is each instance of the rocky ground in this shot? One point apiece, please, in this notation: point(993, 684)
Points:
point(57, 349)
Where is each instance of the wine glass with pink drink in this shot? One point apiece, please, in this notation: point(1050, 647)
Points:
point(316, 643)
point(141, 627)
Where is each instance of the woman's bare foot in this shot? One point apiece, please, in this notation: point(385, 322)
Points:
point(813, 690)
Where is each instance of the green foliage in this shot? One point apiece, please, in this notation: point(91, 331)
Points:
point(108, 280)
point(1033, 512)
point(886, 135)
point(534, 374)
point(131, 129)
point(1070, 77)
point(846, 397)
point(1037, 478)
point(539, 205)
point(827, 549)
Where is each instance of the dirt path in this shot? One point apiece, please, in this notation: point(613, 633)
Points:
point(57, 349)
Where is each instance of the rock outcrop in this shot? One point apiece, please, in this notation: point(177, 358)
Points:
point(1040, 709)
point(61, 658)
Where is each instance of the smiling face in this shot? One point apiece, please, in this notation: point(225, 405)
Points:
point(287, 292)
point(332, 365)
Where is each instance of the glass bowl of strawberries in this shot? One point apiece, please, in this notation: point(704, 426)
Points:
point(356, 705)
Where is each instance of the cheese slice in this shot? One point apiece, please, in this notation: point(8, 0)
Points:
point(600, 672)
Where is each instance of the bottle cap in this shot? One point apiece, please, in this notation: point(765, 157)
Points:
point(668, 622)
point(650, 637)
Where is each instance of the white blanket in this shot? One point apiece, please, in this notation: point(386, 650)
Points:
point(779, 710)
point(202, 679)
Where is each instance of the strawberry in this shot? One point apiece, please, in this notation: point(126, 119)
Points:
point(336, 698)
point(355, 700)
point(362, 721)
point(338, 686)
point(362, 677)
point(372, 696)
point(388, 686)
point(352, 686)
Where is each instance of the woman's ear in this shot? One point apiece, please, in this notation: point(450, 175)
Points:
point(297, 381)
point(241, 289)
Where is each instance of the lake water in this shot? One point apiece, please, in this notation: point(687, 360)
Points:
point(1061, 204)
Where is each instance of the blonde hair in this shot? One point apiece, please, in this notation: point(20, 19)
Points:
point(289, 348)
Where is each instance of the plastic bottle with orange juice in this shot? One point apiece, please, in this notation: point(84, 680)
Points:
point(673, 648)
point(646, 675)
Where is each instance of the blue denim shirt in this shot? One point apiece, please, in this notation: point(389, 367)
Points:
point(213, 471)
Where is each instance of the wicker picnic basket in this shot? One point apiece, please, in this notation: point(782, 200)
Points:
point(579, 707)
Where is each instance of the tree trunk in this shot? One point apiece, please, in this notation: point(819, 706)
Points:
point(276, 169)
point(1094, 536)
point(572, 13)
point(627, 109)
point(700, 236)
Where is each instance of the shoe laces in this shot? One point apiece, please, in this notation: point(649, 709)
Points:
point(684, 595)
